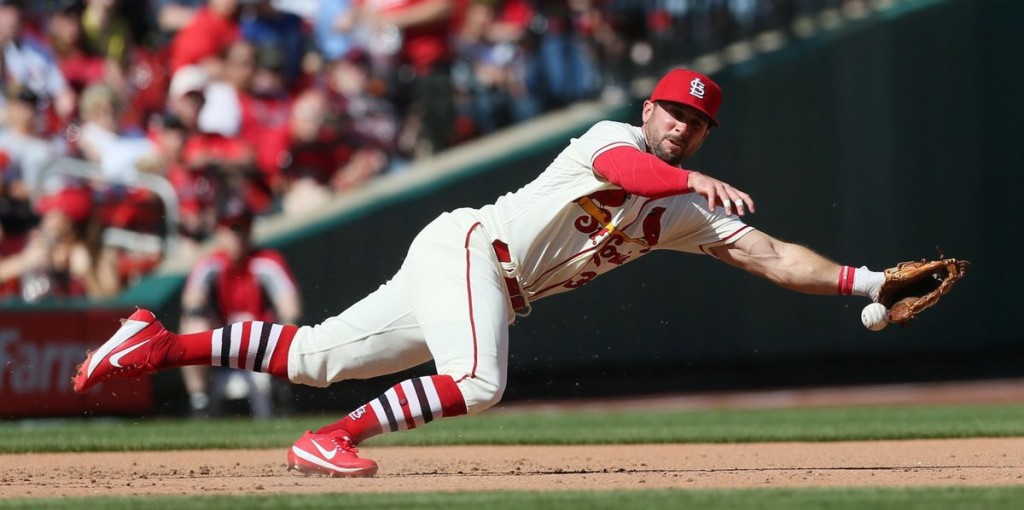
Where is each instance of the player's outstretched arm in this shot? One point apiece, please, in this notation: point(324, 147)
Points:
point(786, 264)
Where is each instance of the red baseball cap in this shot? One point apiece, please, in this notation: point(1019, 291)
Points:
point(690, 88)
point(75, 202)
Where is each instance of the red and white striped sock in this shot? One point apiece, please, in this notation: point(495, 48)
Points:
point(409, 404)
point(252, 345)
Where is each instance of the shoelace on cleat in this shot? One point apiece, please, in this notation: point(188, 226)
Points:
point(344, 444)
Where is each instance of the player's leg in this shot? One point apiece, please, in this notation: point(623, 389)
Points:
point(460, 303)
point(467, 331)
point(376, 336)
point(142, 345)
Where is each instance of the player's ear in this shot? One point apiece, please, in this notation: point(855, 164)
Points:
point(647, 111)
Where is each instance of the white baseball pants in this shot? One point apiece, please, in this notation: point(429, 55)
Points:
point(448, 303)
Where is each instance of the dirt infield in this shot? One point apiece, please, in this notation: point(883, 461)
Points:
point(985, 461)
point(482, 468)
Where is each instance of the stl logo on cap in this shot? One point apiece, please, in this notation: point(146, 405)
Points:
point(697, 88)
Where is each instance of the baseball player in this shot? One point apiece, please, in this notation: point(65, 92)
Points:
point(613, 195)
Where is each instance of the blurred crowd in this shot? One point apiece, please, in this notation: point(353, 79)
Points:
point(286, 104)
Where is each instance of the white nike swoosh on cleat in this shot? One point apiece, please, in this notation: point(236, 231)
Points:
point(128, 329)
point(116, 359)
point(327, 454)
point(302, 454)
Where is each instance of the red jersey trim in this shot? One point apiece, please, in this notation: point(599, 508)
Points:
point(469, 297)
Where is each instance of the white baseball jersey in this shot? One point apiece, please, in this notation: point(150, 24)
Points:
point(450, 301)
point(570, 225)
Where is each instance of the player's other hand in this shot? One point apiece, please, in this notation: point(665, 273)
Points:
point(721, 193)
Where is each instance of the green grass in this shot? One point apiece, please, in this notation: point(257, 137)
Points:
point(731, 426)
point(945, 498)
point(832, 424)
point(858, 423)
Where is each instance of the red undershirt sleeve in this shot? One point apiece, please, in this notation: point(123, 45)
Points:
point(641, 173)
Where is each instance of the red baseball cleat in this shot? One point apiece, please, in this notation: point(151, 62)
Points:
point(137, 348)
point(328, 454)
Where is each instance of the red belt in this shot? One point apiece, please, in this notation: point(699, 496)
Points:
point(515, 293)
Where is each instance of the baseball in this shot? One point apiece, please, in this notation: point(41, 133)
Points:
point(873, 317)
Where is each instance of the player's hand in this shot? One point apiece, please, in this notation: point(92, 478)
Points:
point(721, 193)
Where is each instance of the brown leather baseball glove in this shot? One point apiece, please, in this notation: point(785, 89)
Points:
point(911, 287)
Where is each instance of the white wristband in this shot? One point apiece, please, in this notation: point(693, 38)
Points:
point(867, 282)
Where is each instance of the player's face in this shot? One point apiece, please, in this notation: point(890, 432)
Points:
point(674, 131)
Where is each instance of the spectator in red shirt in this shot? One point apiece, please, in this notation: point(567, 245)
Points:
point(228, 98)
point(265, 107)
point(237, 282)
point(355, 99)
point(211, 30)
point(80, 67)
point(227, 161)
point(186, 98)
point(182, 157)
point(315, 157)
point(194, 189)
point(269, 103)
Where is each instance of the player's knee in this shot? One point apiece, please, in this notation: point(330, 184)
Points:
point(481, 393)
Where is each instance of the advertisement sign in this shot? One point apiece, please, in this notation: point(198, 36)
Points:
point(39, 352)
